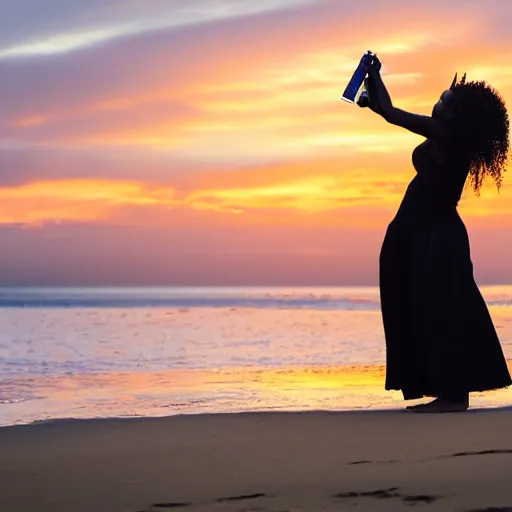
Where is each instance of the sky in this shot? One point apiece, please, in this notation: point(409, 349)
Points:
point(203, 142)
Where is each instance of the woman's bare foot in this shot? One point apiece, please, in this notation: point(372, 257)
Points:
point(441, 405)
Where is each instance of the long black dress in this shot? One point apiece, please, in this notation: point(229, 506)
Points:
point(440, 339)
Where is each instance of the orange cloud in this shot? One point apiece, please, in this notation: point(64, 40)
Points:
point(74, 200)
point(358, 196)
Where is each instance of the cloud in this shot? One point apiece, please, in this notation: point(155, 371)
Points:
point(166, 60)
point(94, 24)
point(199, 87)
point(24, 165)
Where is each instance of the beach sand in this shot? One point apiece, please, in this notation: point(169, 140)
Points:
point(276, 462)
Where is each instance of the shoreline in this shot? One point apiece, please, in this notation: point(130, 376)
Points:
point(264, 412)
point(208, 391)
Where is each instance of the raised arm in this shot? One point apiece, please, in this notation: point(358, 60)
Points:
point(380, 102)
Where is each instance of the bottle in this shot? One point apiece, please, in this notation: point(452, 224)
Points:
point(351, 92)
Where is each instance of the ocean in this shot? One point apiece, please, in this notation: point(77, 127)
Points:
point(123, 352)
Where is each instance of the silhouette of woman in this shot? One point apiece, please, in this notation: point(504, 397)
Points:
point(440, 339)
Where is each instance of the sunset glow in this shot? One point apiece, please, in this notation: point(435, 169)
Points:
point(224, 117)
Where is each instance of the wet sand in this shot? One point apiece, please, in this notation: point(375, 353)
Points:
point(266, 462)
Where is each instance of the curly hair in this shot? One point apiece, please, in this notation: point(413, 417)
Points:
point(481, 130)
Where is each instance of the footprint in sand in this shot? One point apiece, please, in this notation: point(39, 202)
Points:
point(387, 494)
point(175, 505)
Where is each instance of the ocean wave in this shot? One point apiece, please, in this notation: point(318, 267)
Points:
point(16, 395)
point(185, 299)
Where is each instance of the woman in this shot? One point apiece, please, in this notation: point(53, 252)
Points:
point(440, 339)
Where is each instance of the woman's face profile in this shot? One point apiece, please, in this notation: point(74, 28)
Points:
point(444, 107)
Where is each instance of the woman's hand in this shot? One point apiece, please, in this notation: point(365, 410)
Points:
point(370, 83)
point(375, 66)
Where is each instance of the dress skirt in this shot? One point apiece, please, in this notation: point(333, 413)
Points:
point(440, 338)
